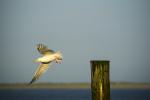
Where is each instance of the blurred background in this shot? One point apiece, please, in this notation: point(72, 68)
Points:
point(83, 30)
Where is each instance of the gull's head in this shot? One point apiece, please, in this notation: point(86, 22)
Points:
point(38, 60)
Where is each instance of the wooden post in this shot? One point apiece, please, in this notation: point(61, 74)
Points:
point(100, 84)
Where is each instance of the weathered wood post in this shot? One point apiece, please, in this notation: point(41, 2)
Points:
point(100, 83)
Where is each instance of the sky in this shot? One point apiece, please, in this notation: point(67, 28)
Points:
point(83, 30)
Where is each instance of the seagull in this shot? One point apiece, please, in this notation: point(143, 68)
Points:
point(48, 57)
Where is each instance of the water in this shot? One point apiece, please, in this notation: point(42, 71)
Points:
point(80, 94)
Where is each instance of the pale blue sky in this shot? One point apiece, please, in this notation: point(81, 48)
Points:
point(115, 30)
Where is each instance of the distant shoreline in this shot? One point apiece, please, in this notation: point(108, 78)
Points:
point(72, 86)
point(46, 86)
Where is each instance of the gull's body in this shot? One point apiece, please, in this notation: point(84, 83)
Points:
point(48, 56)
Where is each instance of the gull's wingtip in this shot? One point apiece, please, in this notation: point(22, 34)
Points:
point(30, 83)
point(34, 79)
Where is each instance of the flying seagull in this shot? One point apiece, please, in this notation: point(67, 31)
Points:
point(48, 57)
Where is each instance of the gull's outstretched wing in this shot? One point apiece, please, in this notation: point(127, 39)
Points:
point(43, 49)
point(42, 69)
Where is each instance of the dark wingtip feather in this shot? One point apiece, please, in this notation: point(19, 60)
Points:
point(34, 79)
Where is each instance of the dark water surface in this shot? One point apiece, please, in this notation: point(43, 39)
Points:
point(64, 94)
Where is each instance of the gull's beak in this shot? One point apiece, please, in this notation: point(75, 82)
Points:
point(36, 60)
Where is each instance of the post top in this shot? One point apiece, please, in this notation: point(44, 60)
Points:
point(99, 61)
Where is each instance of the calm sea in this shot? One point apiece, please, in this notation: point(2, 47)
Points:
point(81, 94)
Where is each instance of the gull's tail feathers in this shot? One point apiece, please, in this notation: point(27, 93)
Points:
point(59, 54)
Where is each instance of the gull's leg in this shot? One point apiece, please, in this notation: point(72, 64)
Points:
point(58, 61)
